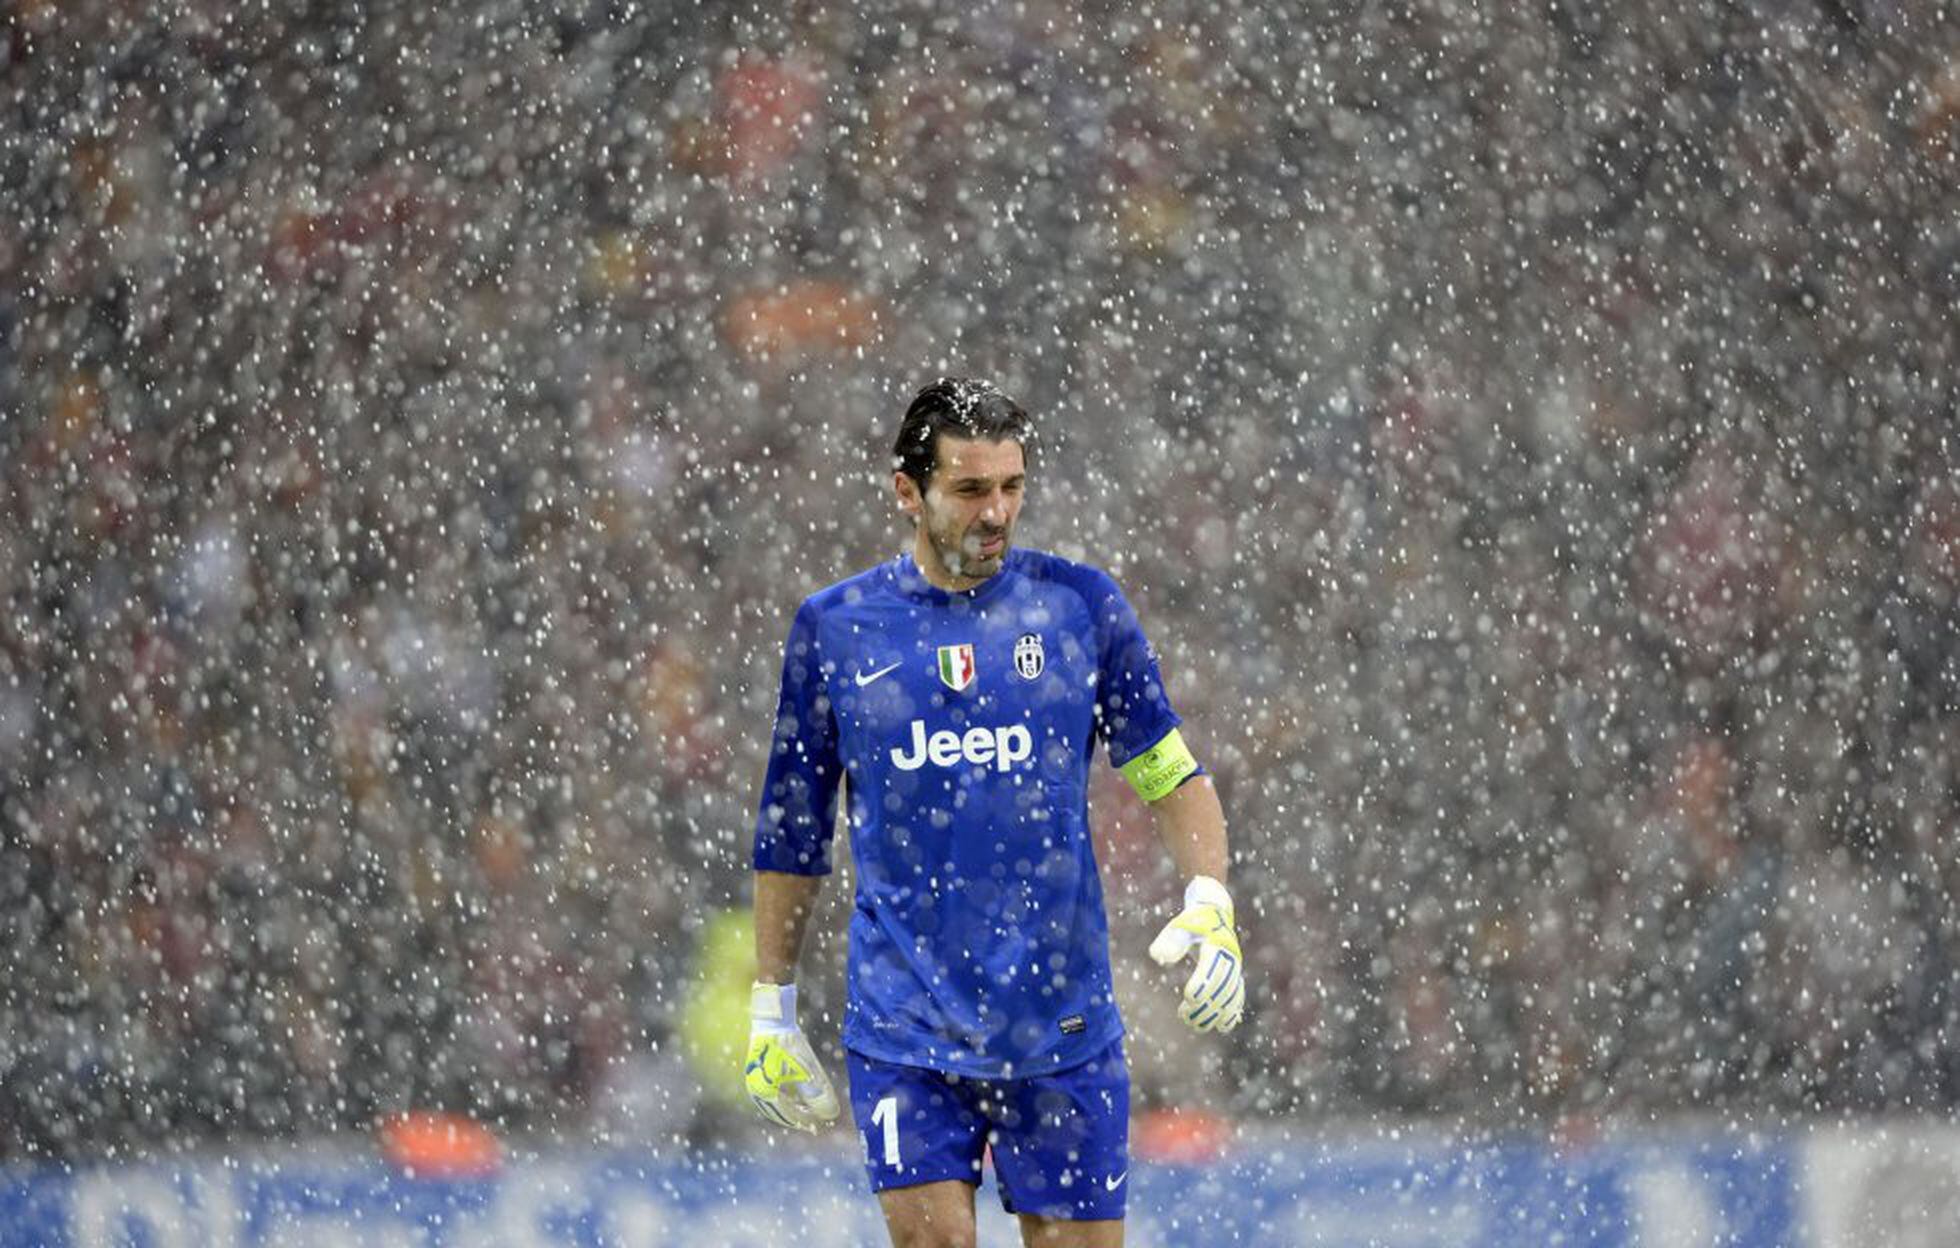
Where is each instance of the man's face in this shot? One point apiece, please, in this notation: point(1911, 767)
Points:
point(966, 515)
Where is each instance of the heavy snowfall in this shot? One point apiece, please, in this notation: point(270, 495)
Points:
point(1527, 432)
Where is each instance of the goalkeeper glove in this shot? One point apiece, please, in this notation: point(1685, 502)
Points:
point(782, 1074)
point(1214, 996)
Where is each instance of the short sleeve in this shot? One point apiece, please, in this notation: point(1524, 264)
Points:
point(798, 807)
point(1132, 709)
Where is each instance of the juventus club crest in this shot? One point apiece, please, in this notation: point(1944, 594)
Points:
point(1028, 659)
point(956, 666)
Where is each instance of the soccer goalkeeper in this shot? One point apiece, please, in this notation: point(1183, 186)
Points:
point(962, 689)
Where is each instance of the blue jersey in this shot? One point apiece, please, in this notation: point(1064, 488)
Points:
point(965, 724)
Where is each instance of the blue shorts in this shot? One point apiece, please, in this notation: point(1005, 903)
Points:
point(1061, 1142)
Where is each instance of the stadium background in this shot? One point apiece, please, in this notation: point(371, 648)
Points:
point(1527, 434)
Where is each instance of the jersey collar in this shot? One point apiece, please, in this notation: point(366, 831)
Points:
point(913, 583)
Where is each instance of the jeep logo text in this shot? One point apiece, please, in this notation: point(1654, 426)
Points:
point(1003, 747)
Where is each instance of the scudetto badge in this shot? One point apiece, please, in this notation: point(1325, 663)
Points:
point(956, 666)
point(1028, 658)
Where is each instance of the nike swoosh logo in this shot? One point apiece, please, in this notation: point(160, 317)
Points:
point(1110, 1185)
point(865, 678)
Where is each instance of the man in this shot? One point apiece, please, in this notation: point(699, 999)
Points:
point(961, 690)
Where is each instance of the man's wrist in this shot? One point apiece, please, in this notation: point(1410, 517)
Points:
point(1203, 890)
point(772, 1007)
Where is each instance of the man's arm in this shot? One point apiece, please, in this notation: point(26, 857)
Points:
point(783, 1078)
point(1191, 824)
point(782, 913)
point(1147, 748)
point(798, 810)
point(791, 856)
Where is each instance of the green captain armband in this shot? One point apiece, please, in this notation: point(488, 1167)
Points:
point(1160, 768)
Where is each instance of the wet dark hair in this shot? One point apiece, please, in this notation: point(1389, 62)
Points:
point(964, 407)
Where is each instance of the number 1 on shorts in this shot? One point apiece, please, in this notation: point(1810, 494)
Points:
point(885, 1114)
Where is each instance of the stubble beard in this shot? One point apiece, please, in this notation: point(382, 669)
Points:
point(969, 565)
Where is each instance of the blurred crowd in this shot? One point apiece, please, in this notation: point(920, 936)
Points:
point(1527, 433)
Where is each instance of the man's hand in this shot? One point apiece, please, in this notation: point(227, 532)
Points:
point(1214, 996)
point(783, 1078)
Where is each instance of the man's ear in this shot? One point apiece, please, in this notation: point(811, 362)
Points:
point(909, 501)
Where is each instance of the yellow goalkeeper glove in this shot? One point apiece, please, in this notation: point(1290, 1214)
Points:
point(1214, 996)
point(782, 1075)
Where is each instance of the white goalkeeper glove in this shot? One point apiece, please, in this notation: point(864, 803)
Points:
point(1214, 996)
point(782, 1075)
